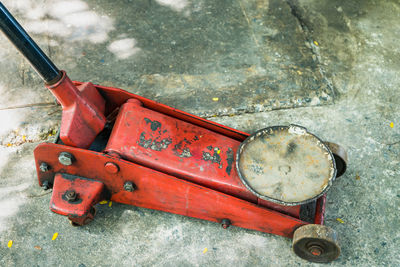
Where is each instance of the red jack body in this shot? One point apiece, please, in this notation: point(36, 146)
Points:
point(176, 161)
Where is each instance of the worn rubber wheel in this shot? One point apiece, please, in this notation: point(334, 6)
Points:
point(316, 243)
point(340, 155)
point(80, 221)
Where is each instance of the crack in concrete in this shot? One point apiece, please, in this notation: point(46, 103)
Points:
point(295, 11)
point(42, 104)
point(263, 111)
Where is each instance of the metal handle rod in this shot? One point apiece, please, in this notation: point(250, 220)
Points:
point(24, 43)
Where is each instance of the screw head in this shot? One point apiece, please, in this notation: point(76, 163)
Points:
point(70, 195)
point(129, 186)
point(44, 167)
point(65, 158)
point(111, 167)
point(225, 223)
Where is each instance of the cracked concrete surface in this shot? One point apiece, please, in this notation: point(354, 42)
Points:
point(262, 60)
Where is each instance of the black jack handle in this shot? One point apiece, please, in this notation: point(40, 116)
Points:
point(31, 51)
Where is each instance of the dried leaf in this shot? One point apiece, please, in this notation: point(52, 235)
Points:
point(38, 247)
point(391, 125)
point(103, 202)
point(10, 243)
point(205, 250)
point(215, 99)
point(339, 220)
point(110, 203)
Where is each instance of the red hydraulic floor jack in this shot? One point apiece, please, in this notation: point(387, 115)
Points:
point(122, 147)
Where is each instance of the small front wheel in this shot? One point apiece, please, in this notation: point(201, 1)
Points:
point(316, 243)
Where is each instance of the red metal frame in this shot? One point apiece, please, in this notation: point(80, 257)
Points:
point(162, 179)
point(154, 190)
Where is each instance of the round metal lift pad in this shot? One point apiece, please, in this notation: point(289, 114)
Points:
point(286, 165)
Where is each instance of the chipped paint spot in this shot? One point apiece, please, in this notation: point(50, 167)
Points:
point(153, 144)
point(215, 158)
point(185, 153)
point(182, 150)
point(229, 161)
point(154, 125)
point(143, 142)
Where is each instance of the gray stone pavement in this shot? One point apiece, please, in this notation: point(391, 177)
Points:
point(331, 66)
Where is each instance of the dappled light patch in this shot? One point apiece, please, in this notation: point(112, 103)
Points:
point(72, 20)
point(123, 48)
point(177, 5)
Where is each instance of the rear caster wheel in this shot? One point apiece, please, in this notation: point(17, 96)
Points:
point(316, 243)
point(80, 221)
point(340, 155)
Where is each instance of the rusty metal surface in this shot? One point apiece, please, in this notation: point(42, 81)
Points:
point(286, 165)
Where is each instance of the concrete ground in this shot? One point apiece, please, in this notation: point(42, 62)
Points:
point(331, 66)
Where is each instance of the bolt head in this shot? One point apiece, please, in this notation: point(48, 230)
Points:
point(44, 167)
point(65, 158)
point(46, 185)
point(316, 250)
point(129, 186)
point(225, 223)
point(70, 195)
point(111, 167)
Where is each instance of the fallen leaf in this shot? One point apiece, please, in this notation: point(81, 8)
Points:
point(219, 151)
point(316, 43)
point(38, 247)
point(358, 177)
point(23, 138)
point(339, 220)
point(215, 99)
point(110, 203)
point(54, 236)
point(391, 125)
point(9, 144)
point(103, 202)
point(10, 243)
point(205, 250)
